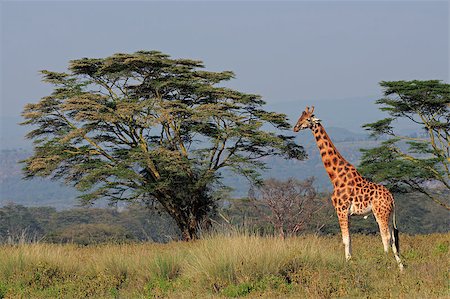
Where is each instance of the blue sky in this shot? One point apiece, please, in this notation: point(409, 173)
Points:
point(297, 53)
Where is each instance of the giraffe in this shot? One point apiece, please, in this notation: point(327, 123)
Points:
point(352, 193)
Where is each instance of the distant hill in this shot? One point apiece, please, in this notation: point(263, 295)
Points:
point(44, 192)
point(35, 192)
point(342, 135)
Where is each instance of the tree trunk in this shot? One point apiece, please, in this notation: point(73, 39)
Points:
point(189, 232)
point(189, 218)
point(186, 221)
point(188, 226)
point(281, 232)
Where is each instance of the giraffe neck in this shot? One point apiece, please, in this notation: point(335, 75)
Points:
point(334, 163)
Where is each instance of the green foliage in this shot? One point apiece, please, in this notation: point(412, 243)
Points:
point(18, 225)
point(387, 163)
point(84, 226)
point(3, 290)
point(44, 275)
point(274, 282)
point(239, 290)
point(159, 287)
point(136, 223)
point(85, 234)
point(442, 248)
point(269, 283)
point(147, 127)
point(408, 163)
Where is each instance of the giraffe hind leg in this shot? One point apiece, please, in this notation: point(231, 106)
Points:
point(389, 239)
point(395, 248)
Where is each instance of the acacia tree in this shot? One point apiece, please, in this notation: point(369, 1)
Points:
point(413, 163)
point(287, 205)
point(147, 127)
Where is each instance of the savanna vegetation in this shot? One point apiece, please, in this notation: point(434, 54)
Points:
point(312, 213)
point(224, 265)
point(84, 226)
point(158, 133)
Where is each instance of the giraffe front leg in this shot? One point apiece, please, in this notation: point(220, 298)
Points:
point(344, 224)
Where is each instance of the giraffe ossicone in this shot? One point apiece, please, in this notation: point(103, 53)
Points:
point(352, 193)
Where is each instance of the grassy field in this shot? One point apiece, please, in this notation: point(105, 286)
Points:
point(232, 265)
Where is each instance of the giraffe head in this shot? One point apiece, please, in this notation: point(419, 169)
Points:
point(306, 120)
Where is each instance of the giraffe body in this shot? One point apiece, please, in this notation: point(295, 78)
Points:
point(352, 193)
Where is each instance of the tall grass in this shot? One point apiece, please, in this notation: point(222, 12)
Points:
point(227, 265)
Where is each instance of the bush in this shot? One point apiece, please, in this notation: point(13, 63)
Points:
point(85, 234)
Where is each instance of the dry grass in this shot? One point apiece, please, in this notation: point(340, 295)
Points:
point(230, 265)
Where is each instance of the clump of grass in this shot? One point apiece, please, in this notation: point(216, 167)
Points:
point(220, 262)
point(164, 270)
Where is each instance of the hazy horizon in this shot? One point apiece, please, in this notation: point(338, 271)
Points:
point(328, 54)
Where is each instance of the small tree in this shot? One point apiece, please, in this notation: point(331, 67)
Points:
point(413, 163)
point(287, 205)
point(146, 127)
point(17, 225)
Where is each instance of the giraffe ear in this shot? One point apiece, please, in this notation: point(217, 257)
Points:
point(315, 119)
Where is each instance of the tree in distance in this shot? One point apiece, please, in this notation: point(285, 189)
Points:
point(413, 163)
point(287, 205)
point(146, 127)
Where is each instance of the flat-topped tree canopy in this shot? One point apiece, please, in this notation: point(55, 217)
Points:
point(144, 126)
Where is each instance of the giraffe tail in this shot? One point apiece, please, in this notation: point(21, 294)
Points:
point(395, 231)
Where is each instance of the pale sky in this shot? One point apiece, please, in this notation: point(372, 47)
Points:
point(297, 53)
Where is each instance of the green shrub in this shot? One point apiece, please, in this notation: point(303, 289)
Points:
point(3, 290)
point(239, 290)
point(441, 248)
point(45, 275)
point(158, 287)
point(272, 282)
